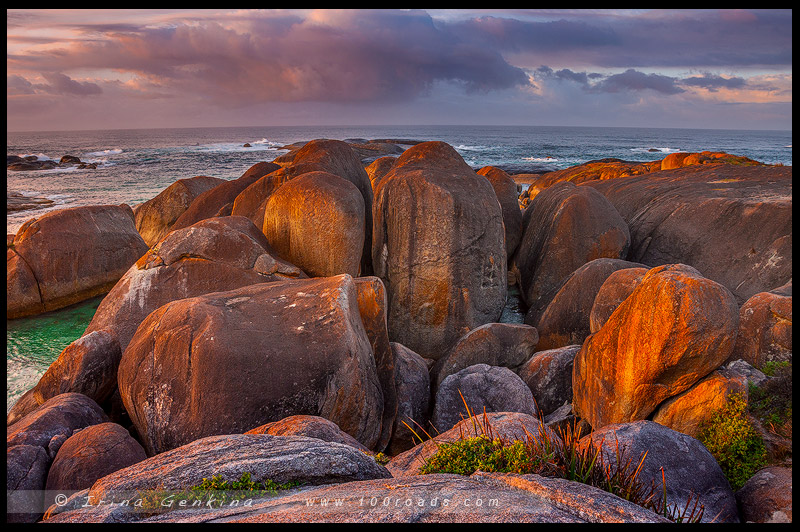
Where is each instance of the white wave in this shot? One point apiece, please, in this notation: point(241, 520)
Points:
point(39, 156)
point(547, 159)
point(469, 148)
point(653, 149)
point(267, 142)
point(112, 151)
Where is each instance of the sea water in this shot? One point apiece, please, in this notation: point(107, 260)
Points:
point(135, 165)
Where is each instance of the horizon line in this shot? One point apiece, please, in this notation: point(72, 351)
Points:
point(381, 125)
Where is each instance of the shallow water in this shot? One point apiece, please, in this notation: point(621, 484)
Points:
point(33, 343)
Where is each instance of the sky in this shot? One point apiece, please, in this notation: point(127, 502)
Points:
point(110, 69)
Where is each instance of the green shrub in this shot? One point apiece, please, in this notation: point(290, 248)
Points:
point(560, 457)
point(734, 442)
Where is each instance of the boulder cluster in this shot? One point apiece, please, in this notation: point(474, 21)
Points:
point(322, 311)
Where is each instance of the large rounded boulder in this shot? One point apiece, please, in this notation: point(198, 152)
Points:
point(439, 247)
point(213, 255)
point(565, 226)
point(226, 362)
point(673, 330)
point(566, 319)
point(154, 218)
point(765, 328)
point(69, 255)
point(316, 221)
point(691, 472)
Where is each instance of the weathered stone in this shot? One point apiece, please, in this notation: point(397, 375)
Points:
point(211, 256)
point(372, 307)
point(765, 328)
point(309, 426)
point(252, 201)
point(688, 411)
point(439, 248)
point(615, 289)
point(566, 319)
point(506, 190)
point(338, 158)
point(549, 376)
point(73, 254)
point(208, 203)
point(565, 227)
point(154, 218)
point(731, 222)
point(226, 362)
point(278, 458)
point(482, 388)
point(767, 496)
point(316, 221)
point(92, 453)
point(413, 387)
point(378, 168)
point(62, 414)
point(87, 366)
point(496, 344)
point(26, 474)
point(673, 330)
point(688, 467)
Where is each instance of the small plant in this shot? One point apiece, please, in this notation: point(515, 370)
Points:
point(771, 402)
point(214, 493)
point(381, 458)
point(559, 456)
point(734, 442)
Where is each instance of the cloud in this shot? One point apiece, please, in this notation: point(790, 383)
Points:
point(633, 80)
point(713, 82)
point(347, 56)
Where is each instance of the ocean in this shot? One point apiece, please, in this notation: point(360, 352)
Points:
point(135, 165)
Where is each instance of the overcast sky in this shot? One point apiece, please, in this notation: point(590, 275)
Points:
point(88, 69)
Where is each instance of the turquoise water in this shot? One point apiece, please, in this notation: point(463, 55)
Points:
point(33, 344)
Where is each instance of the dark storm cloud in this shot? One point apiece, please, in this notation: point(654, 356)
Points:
point(633, 80)
point(352, 56)
point(714, 82)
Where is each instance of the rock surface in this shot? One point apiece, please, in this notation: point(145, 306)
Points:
point(213, 255)
point(506, 190)
point(767, 496)
point(483, 388)
point(316, 221)
point(226, 362)
point(615, 289)
point(278, 458)
point(549, 376)
point(565, 227)
point(413, 388)
point(155, 217)
point(688, 466)
point(439, 248)
point(496, 344)
point(311, 427)
point(686, 412)
point(70, 255)
point(90, 454)
point(765, 328)
point(673, 330)
point(566, 319)
point(733, 223)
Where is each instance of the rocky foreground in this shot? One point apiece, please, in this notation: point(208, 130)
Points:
point(305, 323)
